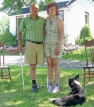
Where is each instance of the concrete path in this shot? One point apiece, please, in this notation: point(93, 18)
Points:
point(13, 60)
point(72, 64)
point(69, 64)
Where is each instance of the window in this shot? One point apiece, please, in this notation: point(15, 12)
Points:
point(18, 20)
point(87, 18)
point(61, 14)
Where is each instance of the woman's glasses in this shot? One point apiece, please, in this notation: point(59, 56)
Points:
point(52, 9)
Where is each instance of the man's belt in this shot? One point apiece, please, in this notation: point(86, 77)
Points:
point(34, 42)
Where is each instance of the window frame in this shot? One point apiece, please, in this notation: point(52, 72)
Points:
point(87, 18)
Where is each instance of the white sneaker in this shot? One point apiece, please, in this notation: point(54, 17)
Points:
point(56, 89)
point(50, 89)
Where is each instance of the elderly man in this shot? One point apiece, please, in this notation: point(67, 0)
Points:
point(34, 26)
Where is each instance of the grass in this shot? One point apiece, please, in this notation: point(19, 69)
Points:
point(11, 94)
point(75, 55)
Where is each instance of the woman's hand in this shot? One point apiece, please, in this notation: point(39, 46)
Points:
point(57, 50)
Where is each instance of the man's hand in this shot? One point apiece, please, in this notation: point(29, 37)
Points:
point(19, 48)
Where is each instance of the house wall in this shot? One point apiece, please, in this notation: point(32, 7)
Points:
point(92, 22)
point(75, 19)
point(89, 7)
point(13, 23)
point(12, 27)
point(43, 14)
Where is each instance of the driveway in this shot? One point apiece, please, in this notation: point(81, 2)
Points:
point(69, 64)
point(13, 60)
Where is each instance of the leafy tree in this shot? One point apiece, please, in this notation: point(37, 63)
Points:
point(42, 4)
point(1, 31)
point(85, 33)
point(48, 1)
point(4, 24)
point(10, 6)
point(7, 38)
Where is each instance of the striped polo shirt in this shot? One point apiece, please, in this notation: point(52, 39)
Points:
point(52, 31)
point(34, 28)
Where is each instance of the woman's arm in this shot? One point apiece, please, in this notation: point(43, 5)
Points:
point(61, 30)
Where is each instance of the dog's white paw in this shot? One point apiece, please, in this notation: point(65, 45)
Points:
point(53, 99)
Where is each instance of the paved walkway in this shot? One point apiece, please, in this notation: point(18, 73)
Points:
point(72, 64)
point(69, 64)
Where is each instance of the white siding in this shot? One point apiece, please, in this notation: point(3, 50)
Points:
point(13, 25)
point(75, 22)
point(75, 19)
point(89, 7)
point(65, 21)
point(43, 14)
point(92, 22)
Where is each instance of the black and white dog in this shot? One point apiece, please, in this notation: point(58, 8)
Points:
point(76, 95)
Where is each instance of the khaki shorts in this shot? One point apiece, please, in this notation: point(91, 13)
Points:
point(50, 50)
point(34, 53)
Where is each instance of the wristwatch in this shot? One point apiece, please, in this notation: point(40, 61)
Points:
point(59, 42)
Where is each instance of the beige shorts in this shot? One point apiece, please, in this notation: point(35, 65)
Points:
point(50, 50)
point(34, 53)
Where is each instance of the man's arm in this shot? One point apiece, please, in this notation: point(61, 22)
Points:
point(19, 42)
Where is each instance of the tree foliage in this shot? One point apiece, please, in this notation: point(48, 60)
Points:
point(10, 6)
point(7, 38)
point(4, 24)
point(85, 33)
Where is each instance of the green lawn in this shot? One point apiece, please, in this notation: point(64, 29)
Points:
point(75, 55)
point(11, 94)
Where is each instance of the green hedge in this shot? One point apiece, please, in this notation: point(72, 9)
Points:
point(9, 40)
point(85, 33)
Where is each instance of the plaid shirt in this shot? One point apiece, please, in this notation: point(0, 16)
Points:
point(34, 28)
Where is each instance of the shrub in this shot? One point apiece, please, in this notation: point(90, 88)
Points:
point(15, 42)
point(65, 39)
point(8, 39)
point(85, 33)
point(77, 41)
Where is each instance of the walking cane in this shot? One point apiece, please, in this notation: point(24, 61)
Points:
point(22, 72)
point(15, 52)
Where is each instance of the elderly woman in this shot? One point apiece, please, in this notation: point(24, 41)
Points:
point(53, 45)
